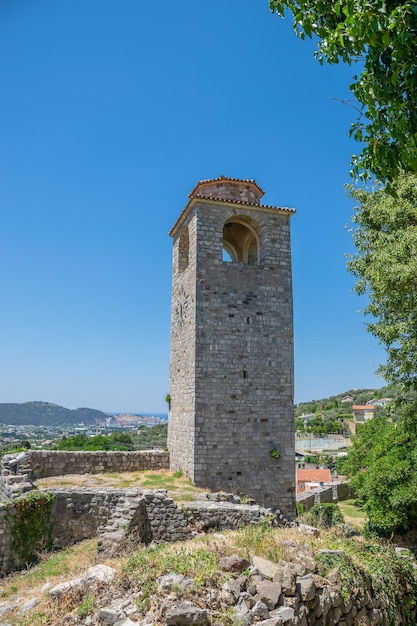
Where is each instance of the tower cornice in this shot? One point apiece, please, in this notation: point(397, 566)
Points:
point(202, 198)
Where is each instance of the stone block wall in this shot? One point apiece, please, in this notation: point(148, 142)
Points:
point(121, 517)
point(45, 463)
point(231, 373)
point(332, 493)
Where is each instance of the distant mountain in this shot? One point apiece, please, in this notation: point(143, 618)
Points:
point(47, 414)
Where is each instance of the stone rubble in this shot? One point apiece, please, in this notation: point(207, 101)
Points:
point(260, 593)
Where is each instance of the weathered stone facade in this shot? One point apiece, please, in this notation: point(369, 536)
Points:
point(120, 518)
point(231, 373)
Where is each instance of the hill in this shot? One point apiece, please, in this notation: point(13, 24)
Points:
point(47, 414)
point(358, 396)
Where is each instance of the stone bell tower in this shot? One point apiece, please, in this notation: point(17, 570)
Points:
point(231, 422)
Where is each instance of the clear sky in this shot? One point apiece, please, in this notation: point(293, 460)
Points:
point(110, 112)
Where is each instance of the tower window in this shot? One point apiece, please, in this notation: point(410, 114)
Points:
point(240, 242)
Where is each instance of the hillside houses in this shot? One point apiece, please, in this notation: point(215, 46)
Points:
point(308, 479)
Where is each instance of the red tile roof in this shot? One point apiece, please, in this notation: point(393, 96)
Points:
point(314, 476)
point(195, 196)
point(249, 181)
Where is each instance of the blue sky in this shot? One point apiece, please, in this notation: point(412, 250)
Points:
point(110, 112)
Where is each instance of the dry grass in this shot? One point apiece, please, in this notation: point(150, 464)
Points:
point(71, 563)
point(196, 557)
point(51, 570)
point(179, 487)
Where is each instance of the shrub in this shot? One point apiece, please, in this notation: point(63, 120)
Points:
point(326, 514)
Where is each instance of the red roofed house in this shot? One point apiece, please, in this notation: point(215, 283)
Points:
point(363, 412)
point(308, 479)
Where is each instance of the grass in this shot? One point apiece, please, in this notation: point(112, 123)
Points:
point(179, 487)
point(197, 559)
point(53, 569)
point(353, 513)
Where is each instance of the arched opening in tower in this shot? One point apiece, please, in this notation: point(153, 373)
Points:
point(240, 242)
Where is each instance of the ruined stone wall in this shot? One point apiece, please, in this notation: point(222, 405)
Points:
point(45, 463)
point(332, 493)
point(121, 517)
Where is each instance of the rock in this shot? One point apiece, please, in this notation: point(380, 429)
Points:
point(233, 563)
point(125, 622)
point(232, 586)
point(305, 559)
point(67, 587)
point(271, 621)
point(308, 530)
point(108, 617)
point(324, 603)
point(306, 587)
point(284, 614)
point(6, 607)
point(269, 593)
point(286, 575)
point(29, 605)
point(184, 613)
point(260, 610)
point(171, 582)
point(99, 573)
point(265, 567)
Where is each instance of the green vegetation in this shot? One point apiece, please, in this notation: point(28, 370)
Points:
point(261, 539)
point(180, 487)
point(360, 564)
point(382, 460)
point(115, 441)
point(383, 464)
point(331, 415)
point(144, 567)
point(31, 525)
point(390, 574)
point(382, 36)
point(353, 513)
point(86, 607)
point(385, 268)
point(148, 438)
point(326, 514)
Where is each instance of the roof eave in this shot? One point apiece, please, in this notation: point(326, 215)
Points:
point(264, 208)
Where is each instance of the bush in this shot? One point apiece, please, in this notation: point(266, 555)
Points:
point(326, 514)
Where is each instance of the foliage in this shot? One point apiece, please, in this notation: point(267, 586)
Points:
point(31, 525)
point(115, 441)
point(146, 566)
point(383, 464)
point(147, 438)
point(382, 37)
point(86, 607)
point(389, 573)
point(326, 514)
point(320, 458)
point(385, 267)
point(261, 539)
